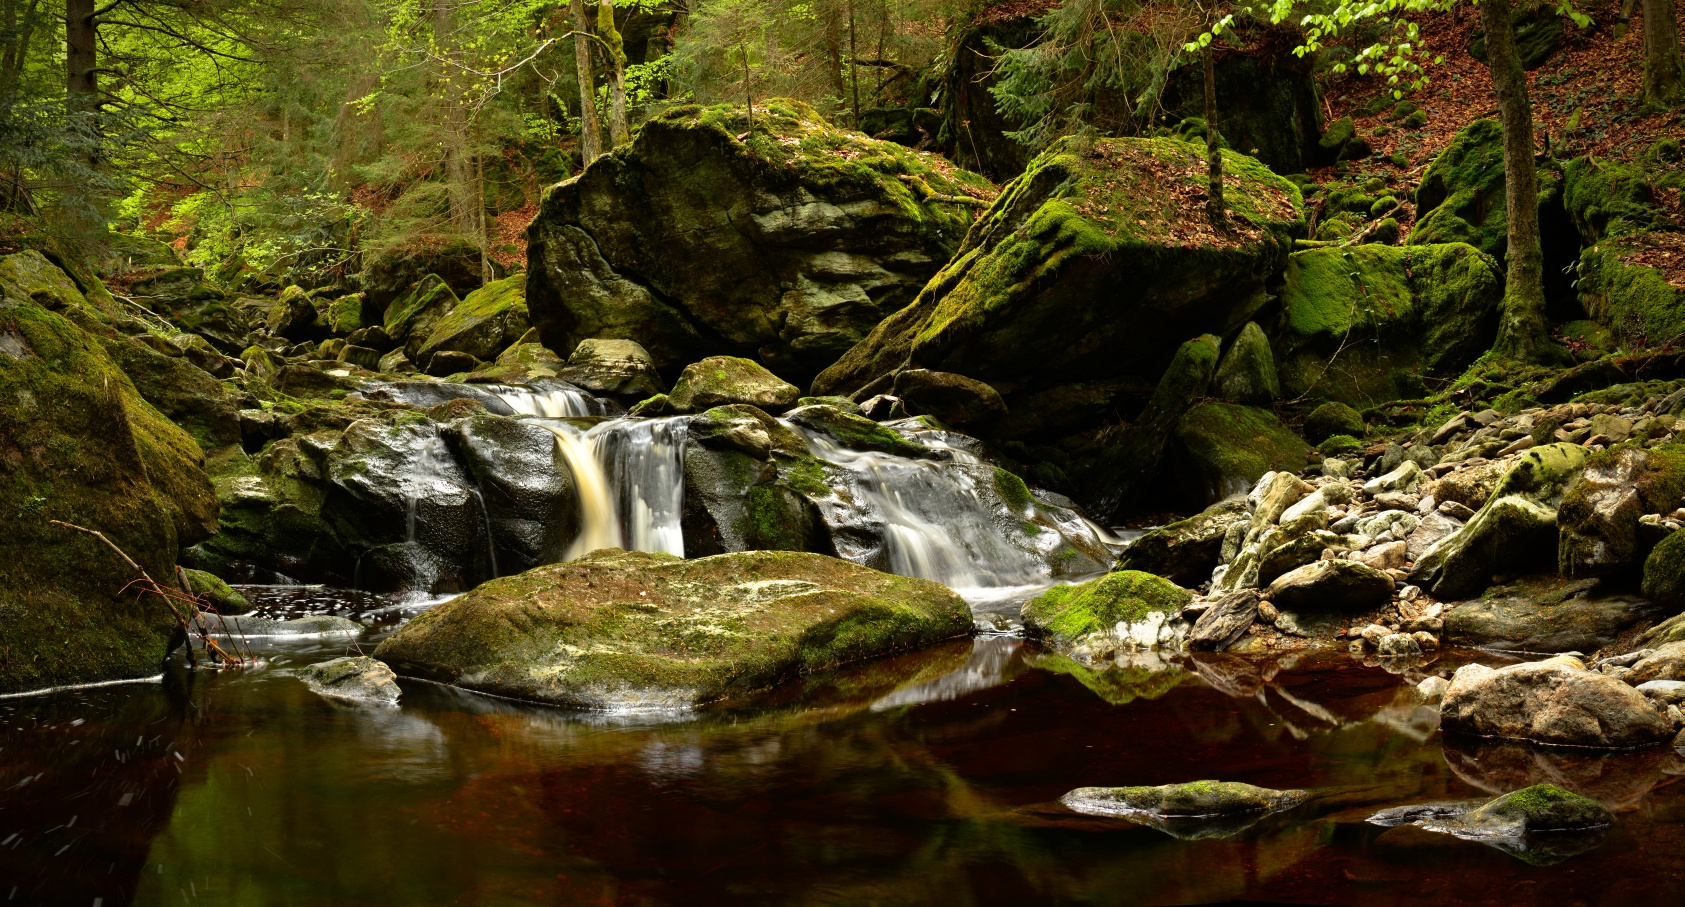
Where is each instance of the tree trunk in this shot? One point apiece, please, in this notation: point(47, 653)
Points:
point(748, 86)
point(590, 140)
point(833, 50)
point(1522, 330)
point(1664, 70)
point(853, 64)
point(80, 40)
point(19, 31)
point(1213, 148)
point(619, 132)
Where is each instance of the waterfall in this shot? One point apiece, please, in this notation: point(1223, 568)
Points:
point(646, 459)
point(550, 401)
point(599, 527)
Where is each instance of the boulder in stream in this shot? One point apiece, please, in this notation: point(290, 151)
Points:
point(1555, 701)
point(1125, 609)
point(628, 631)
point(356, 678)
point(726, 380)
point(1544, 614)
point(1191, 811)
point(1332, 585)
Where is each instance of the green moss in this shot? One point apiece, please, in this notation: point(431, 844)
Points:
point(1068, 613)
point(1461, 196)
point(1664, 572)
point(1222, 448)
point(345, 314)
point(1332, 419)
point(1012, 490)
point(1607, 198)
point(1635, 301)
point(1336, 445)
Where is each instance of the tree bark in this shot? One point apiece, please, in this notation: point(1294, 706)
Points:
point(19, 31)
point(80, 41)
point(1522, 330)
point(590, 140)
point(1664, 70)
point(833, 49)
point(853, 64)
point(619, 132)
point(1213, 148)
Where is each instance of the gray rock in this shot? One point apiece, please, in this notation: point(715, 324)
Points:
point(615, 368)
point(955, 400)
point(1403, 478)
point(1186, 551)
point(356, 678)
point(1554, 701)
point(1532, 810)
point(1394, 644)
point(524, 485)
point(1666, 663)
point(1544, 615)
point(1224, 622)
point(1191, 811)
point(1332, 585)
point(724, 380)
point(1667, 692)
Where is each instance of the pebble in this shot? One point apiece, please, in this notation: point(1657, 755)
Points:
point(1432, 689)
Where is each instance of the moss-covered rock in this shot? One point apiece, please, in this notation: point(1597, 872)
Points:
point(725, 380)
point(620, 630)
point(410, 318)
point(1186, 551)
point(213, 591)
point(1461, 196)
point(1247, 372)
point(749, 485)
point(208, 409)
point(1221, 449)
point(389, 272)
point(1124, 471)
point(483, 324)
point(79, 444)
point(1664, 572)
point(1333, 418)
point(1095, 249)
point(1367, 324)
point(787, 245)
point(345, 315)
point(1514, 532)
point(955, 400)
point(1598, 519)
point(1064, 615)
point(854, 431)
point(615, 368)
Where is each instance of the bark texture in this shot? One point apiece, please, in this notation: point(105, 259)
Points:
point(590, 139)
point(1664, 70)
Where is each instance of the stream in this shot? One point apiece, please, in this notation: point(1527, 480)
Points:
point(926, 778)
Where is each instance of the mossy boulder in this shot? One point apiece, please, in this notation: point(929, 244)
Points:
point(1600, 532)
point(1221, 449)
point(1636, 301)
point(787, 245)
point(1124, 471)
point(410, 318)
point(1064, 615)
point(80, 445)
point(1461, 196)
point(208, 409)
point(213, 591)
point(1540, 808)
point(292, 316)
point(389, 272)
point(1514, 532)
point(1333, 418)
point(1098, 248)
point(955, 400)
point(345, 316)
point(627, 630)
point(1664, 572)
point(1367, 324)
point(749, 485)
point(1186, 551)
point(483, 324)
point(1247, 372)
point(725, 380)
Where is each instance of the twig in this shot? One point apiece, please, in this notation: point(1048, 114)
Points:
point(109, 543)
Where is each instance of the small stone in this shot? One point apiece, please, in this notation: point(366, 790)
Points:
point(1409, 593)
point(1455, 510)
point(1267, 613)
point(1424, 625)
point(1432, 689)
point(1374, 633)
point(357, 678)
point(1426, 640)
point(1398, 644)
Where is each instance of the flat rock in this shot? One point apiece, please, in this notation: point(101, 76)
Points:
point(631, 631)
point(1554, 701)
point(357, 678)
point(1225, 621)
point(1194, 810)
point(1544, 615)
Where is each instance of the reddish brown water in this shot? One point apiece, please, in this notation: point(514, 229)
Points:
point(927, 779)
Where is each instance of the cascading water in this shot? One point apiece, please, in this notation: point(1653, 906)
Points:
point(599, 527)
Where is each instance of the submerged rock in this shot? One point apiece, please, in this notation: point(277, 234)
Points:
point(1554, 701)
point(1192, 811)
point(626, 630)
point(313, 627)
point(357, 678)
point(787, 244)
point(1542, 824)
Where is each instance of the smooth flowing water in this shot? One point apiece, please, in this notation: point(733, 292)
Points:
point(925, 779)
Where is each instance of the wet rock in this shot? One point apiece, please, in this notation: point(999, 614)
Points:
point(1332, 585)
point(724, 380)
point(356, 678)
point(445, 363)
point(1226, 621)
point(625, 630)
point(1195, 810)
point(1554, 701)
point(696, 243)
point(1247, 373)
point(956, 400)
point(855, 432)
point(1532, 810)
point(1512, 533)
point(749, 484)
point(616, 368)
point(523, 484)
point(1132, 610)
point(1544, 615)
point(1396, 644)
point(216, 593)
point(247, 627)
point(1186, 551)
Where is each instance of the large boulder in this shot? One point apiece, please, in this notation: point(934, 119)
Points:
point(1332, 585)
point(626, 630)
point(1515, 532)
point(390, 272)
point(749, 485)
point(1461, 196)
point(1367, 324)
point(956, 400)
point(206, 408)
point(1664, 572)
point(525, 488)
point(1555, 701)
point(788, 244)
point(1247, 373)
point(1222, 449)
point(614, 368)
point(80, 445)
point(410, 319)
point(1599, 517)
point(483, 324)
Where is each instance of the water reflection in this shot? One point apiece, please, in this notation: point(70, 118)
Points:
point(925, 778)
